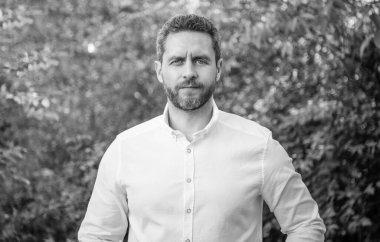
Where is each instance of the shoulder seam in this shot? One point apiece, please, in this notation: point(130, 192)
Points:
point(258, 126)
point(262, 162)
point(123, 135)
point(118, 181)
point(118, 161)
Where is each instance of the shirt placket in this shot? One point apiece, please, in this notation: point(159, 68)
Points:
point(188, 192)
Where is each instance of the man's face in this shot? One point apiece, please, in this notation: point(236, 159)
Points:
point(188, 70)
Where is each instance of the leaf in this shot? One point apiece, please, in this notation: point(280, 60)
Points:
point(21, 179)
point(365, 222)
point(376, 20)
point(365, 44)
point(293, 24)
point(376, 38)
point(307, 16)
point(370, 190)
point(339, 4)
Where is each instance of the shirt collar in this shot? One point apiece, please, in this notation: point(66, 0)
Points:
point(202, 132)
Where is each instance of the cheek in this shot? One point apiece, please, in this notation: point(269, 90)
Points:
point(170, 78)
point(209, 75)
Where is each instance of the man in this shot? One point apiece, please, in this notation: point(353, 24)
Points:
point(196, 173)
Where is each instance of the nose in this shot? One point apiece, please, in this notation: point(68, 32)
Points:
point(189, 71)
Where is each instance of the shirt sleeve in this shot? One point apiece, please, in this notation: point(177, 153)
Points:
point(287, 196)
point(106, 216)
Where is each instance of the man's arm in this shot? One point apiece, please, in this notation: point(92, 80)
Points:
point(106, 216)
point(288, 197)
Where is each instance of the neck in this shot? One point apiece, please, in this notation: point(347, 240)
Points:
point(189, 122)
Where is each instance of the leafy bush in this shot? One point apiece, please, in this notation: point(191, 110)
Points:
point(76, 73)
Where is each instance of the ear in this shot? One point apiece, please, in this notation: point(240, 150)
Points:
point(158, 67)
point(219, 65)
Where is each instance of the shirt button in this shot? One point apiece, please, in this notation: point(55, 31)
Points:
point(188, 180)
point(188, 210)
point(188, 150)
point(187, 240)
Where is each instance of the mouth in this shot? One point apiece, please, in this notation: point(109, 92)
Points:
point(183, 87)
point(190, 90)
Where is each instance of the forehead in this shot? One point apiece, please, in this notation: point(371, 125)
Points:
point(181, 43)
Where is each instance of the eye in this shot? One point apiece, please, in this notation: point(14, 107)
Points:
point(176, 62)
point(201, 61)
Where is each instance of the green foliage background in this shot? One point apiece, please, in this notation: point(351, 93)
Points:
point(75, 73)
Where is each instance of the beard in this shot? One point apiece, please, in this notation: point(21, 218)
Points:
point(189, 102)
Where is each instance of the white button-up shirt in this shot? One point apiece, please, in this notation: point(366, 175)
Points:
point(161, 187)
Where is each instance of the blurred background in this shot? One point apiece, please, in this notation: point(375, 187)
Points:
point(75, 73)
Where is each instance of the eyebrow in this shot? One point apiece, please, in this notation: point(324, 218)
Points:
point(196, 57)
point(175, 58)
point(205, 57)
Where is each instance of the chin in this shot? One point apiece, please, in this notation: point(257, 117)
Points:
point(191, 104)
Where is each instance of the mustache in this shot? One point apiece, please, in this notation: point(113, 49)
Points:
point(189, 83)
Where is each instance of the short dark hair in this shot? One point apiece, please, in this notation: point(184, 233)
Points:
point(190, 22)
